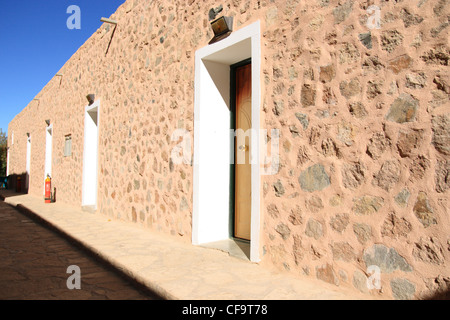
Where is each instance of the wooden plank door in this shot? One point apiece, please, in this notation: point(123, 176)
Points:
point(242, 218)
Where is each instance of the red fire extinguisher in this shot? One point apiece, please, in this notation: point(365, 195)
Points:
point(48, 189)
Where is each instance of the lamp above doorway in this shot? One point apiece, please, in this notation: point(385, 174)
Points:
point(213, 12)
point(91, 98)
point(222, 28)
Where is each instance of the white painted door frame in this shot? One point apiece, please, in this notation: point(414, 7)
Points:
point(212, 148)
point(28, 164)
point(48, 152)
point(90, 155)
point(7, 161)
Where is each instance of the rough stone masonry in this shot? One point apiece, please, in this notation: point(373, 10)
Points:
point(363, 112)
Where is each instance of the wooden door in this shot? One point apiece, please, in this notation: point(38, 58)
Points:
point(243, 123)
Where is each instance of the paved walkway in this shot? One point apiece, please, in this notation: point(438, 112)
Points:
point(34, 262)
point(171, 268)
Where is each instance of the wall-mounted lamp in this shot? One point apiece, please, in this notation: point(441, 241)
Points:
point(35, 99)
point(108, 21)
point(213, 12)
point(91, 98)
point(222, 28)
point(28, 134)
point(47, 122)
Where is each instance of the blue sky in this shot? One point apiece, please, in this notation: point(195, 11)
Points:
point(35, 43)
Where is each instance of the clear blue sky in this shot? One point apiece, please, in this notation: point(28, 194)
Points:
point(35, 43)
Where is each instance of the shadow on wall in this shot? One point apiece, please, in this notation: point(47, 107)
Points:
point(440, 295)
point(17, 182)
point(112, 36)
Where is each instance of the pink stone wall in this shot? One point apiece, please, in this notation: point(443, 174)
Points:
point(364, 115)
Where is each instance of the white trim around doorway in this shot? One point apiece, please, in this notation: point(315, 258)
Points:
point(90, 156)
point(212, 148)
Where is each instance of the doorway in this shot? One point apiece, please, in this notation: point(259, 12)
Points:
point(48, 153)
point(213, 216)
point(90, 158)
point(241, 101)
point(28, 164)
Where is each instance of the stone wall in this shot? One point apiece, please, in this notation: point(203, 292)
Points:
point(363, 112)
point(365, 116)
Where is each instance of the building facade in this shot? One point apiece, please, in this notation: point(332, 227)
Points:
point(341, 172)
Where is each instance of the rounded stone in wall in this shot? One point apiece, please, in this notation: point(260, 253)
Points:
point(402, 289)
